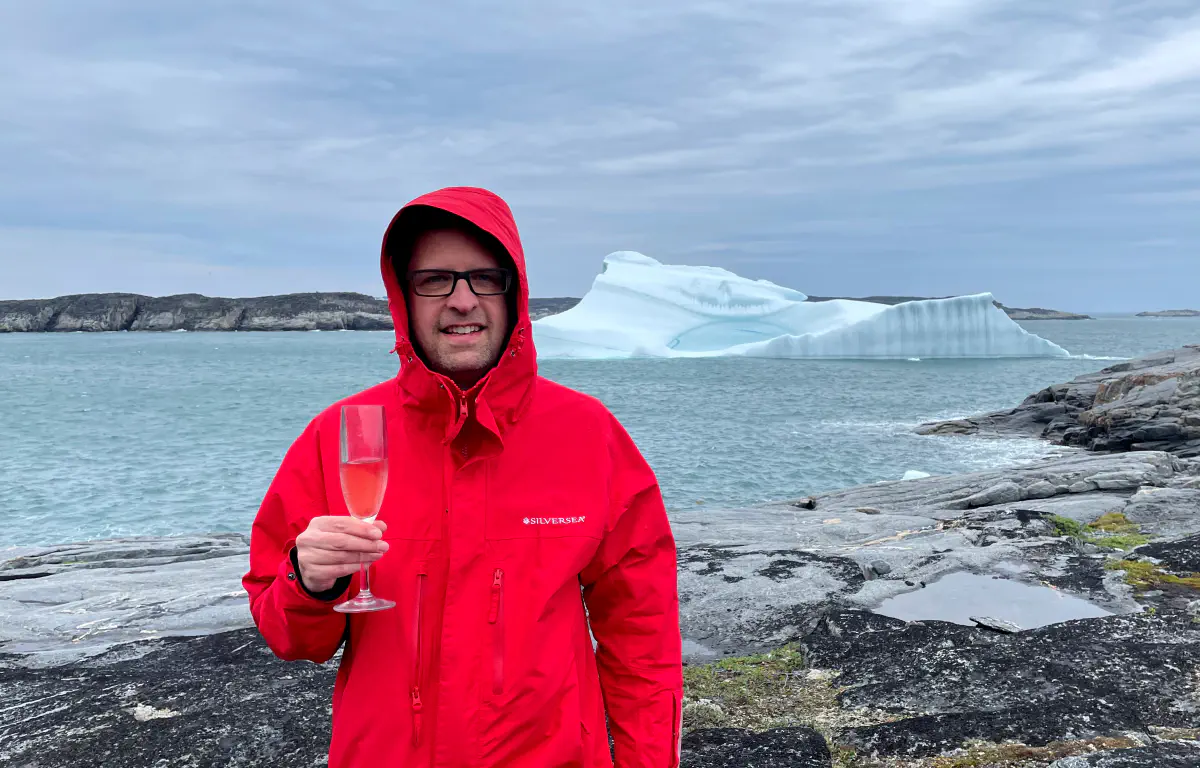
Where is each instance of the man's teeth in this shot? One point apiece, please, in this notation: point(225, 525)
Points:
point(464, 329)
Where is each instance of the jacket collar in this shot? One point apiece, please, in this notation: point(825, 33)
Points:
point(497, 401)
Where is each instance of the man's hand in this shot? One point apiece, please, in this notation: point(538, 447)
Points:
point(334, 546)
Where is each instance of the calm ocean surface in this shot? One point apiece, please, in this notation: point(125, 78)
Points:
point(116, 434)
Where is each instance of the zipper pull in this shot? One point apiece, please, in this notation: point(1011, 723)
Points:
point(497, 585)
point(416, 705)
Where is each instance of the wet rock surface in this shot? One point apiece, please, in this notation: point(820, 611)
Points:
point(61, 603)
point(1151, 403)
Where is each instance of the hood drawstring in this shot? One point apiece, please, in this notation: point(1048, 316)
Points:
point(520, 342)
point(404, 349)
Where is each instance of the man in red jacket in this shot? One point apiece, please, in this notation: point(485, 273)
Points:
point(518, 514)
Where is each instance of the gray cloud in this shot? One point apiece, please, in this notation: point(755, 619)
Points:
point(848, 146)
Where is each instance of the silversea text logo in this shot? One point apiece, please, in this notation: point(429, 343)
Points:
point(553, 520)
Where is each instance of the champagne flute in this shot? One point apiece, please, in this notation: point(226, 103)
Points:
point(363, 472)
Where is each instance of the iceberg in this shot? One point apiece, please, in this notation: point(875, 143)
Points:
point(639, 307)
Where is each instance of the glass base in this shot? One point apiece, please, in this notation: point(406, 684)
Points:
point(364, 604)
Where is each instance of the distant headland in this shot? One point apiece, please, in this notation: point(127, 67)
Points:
point(291, 312)
point(193, 312)
point(1171, 313)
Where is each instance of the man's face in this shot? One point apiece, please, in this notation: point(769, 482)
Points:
point(462, 335)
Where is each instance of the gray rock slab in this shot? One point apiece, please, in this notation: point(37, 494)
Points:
point(1168, 512)
point(734, 599)
point(62, 602)
point(1116, 472)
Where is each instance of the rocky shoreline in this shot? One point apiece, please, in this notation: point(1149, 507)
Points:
point(107, 312)
point(1040, 615)
point(1037, 313)
point(1151, 403)
point(818, 573)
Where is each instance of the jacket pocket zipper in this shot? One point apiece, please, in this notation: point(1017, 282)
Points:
point(415, 694)
point(496, 619)
point(676, 731)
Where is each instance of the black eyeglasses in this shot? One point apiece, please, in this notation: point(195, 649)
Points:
point(442, 282)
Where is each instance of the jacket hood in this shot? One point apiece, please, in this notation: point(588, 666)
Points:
point(487, 212)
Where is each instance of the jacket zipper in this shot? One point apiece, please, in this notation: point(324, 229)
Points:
point(416, 687)
point(496, 619)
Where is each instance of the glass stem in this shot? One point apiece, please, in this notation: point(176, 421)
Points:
point(365, 569)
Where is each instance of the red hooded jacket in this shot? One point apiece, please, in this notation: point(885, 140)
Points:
point(519, 515)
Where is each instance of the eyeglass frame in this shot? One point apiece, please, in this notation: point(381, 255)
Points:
point(466, 275)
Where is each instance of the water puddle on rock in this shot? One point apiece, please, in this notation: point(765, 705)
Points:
point(957, 597)
point(698, 652)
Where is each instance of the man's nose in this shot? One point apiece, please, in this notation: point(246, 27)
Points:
point(462, 299)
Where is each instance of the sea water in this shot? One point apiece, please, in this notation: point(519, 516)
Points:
point(119, 434)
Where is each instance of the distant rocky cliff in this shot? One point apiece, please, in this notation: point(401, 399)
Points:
point(193, 312)
point(1037, 313)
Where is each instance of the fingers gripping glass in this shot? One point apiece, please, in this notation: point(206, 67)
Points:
point(442, 282)
point(363, 470)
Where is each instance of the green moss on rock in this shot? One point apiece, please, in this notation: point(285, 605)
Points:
point(1112, 530)
point(1144, 576)
point(772, 690)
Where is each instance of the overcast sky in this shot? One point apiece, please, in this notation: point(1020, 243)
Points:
point(1048, 152)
